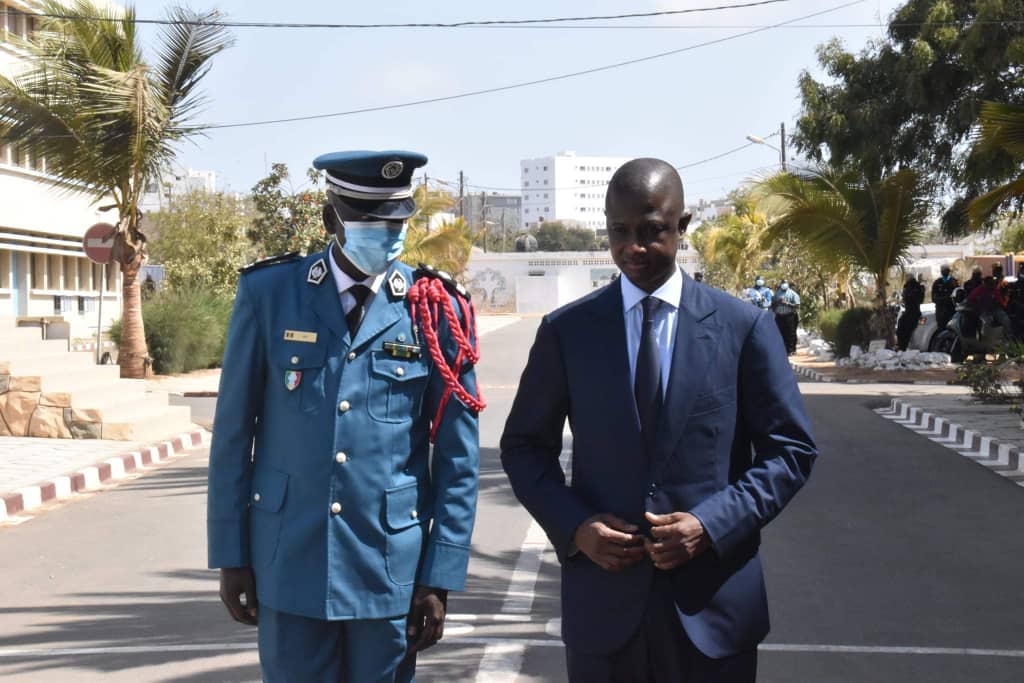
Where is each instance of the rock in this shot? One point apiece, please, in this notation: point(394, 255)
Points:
point(911, 355)
point(856, 352)
point(33, 384)
point(17, 409)
point(48, 422)
point(884, 355)
point(827, 356)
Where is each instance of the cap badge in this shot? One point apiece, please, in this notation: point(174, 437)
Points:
point(317, 272)
point(392, 170)
point(397, 285)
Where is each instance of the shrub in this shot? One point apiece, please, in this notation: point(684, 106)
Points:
point(828, 324)
point(854, 327)
point(185, 329)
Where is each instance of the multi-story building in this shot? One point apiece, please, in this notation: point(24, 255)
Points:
point(174, 182)
point(502, 213)
point(43, 270)
point(567, 188)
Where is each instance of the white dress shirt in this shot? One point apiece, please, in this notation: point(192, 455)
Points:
point(344, 282)
point(664, 322)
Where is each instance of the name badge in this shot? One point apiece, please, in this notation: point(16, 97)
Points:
point(299, 336)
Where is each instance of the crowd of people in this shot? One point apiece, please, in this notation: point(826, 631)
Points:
point(784, 303)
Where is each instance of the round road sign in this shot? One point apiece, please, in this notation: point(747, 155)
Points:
point(98, 242)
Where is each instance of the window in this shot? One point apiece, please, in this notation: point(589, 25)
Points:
point(526, 170)
point(526, 183)
point(546, 209)
point(545, 182)
point(545, 168)
point(545, 195)
point(526, 210)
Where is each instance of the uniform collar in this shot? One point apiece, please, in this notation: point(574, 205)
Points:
point(344, 282)
point(670, 292)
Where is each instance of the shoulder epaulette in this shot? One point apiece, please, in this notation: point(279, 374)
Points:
point(447, 280)
point(272, 261)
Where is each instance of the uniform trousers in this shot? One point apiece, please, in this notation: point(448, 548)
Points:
point(787, 324)
point(296, 649)
point(660, 652)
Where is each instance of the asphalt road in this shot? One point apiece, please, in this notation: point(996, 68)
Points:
point(900, 562)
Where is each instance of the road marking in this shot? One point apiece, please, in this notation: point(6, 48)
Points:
point(521, 644)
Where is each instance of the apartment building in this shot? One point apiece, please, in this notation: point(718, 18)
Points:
point(568, 188)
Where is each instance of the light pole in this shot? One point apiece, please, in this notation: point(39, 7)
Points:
point(782, 151)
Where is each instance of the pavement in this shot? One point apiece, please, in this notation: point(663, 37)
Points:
point(898, 563)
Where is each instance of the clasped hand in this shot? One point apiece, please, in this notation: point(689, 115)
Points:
point(614, 544)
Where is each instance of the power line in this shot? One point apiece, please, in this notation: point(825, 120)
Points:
point(524, 84)
point(704, 27)
point(457, 24)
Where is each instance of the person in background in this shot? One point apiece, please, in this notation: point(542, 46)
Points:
point(759, 294)
point(942, 296)
point(988, 300)
point(913, 297)
point(785, 305)
point(974, 281)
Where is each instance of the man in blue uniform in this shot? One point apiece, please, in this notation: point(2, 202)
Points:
point(328, 509)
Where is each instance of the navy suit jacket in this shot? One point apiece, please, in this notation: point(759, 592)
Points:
point(733, 446)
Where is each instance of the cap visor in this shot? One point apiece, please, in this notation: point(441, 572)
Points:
point(390, 210)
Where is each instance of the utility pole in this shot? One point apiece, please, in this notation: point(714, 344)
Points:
point(462, 195)
point(782, 146)
point(483, 216)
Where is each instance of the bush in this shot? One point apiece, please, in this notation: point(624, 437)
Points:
point(855, 327)
point(828, 324)
point(185, 329)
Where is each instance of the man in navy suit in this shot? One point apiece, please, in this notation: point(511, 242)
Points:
point(689, 436)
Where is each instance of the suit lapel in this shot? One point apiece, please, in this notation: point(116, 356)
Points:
point(692, 357)
point(614, 329)
point(382, 313)
point(325, 302)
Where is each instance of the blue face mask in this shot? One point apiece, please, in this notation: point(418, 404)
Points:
point(759, 283)
point(372, 246)
point(784, 286)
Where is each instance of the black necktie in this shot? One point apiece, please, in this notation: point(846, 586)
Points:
point(647, 389)
point(355, 317)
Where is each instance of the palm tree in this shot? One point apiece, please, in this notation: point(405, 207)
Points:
point(1001, 127)
point(106, 121)
point(841, 216)
point(447, 246)
point(737, 243)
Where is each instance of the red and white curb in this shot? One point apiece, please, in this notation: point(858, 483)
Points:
point(1004, 459)
point(90, 478)
point(810, 374)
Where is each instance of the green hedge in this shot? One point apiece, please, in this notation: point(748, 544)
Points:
point(854, 328)
point(185, 330)
point(828, 324)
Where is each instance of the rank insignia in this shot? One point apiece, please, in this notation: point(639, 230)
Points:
point(397, 285)
point(407, 351)
point(292, 379)
point(317, 272)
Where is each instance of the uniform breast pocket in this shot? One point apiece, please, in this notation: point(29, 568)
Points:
point(302, 373)
point(396, 389)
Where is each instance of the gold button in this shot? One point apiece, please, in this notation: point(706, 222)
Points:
point(295, 360)
point(336, 508)
point(400, 372)
point(341, 458)
point(352, 356)
point(344, 406)
point(414, 514)
point(256, 497)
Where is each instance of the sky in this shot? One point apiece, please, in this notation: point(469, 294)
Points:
point(683, 108)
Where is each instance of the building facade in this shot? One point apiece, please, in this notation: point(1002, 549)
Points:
point(566, 188)
point(43, 269)
point(175, 182)
point(501, 213)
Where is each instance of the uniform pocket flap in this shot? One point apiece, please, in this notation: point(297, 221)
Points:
point(402, 506)
point(298, 356)
point(397, 369)
point(268, 490)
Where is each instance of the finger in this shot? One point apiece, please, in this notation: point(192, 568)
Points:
point(234, 604)
point(251, 602)
point(425, 638)
point(609, 534)
point(618, 523)
point(661, 520)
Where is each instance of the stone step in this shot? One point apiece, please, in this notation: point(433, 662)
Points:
point(149, 425)
point(22, 335)
point(25, 348)
point(51, 364)
point(98, 393)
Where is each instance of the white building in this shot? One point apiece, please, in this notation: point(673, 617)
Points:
point(174, 182)
point(566, 188)
point(43, 270)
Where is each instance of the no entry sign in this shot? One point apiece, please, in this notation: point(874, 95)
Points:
point(98, 242)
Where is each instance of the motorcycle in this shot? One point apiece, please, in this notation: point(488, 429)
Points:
point(969, 333)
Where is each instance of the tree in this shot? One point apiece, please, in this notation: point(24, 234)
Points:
point(106, 121)
point(200, 240)
point(285, 219)
point(1001, 128)
point(446, 247)
point(555, 236)
point(912, 99)
point(736, 243)
point(839, 214)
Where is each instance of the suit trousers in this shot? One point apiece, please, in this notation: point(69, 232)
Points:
point(660, 652)
point(296, 649)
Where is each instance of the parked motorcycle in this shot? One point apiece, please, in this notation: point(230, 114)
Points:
point(969, 333)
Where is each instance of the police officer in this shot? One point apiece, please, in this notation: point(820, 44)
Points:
point(974, 281)
point(759, 294)
point(913, 297)
point(942, 296)
point(785, 305)
point(327, 509)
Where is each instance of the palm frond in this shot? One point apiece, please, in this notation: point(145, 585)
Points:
point(1002, 127)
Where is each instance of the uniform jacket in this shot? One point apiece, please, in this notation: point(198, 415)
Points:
point(730, 388)
point(942, 291)
point(355, 431)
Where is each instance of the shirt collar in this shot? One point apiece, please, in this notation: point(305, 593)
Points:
point(344, 282)
point(670, 292)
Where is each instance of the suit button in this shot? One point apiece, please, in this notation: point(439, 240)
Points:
point(344, 406)
point(352, 356)
point(341, 458)
point(295, 360)
point(400, 372)
point(256, 497)
point(336, 508)
point(414, 514)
